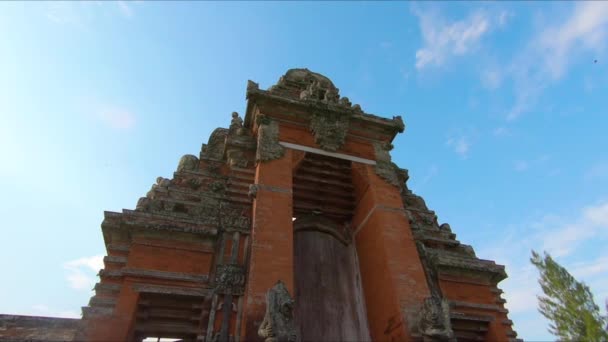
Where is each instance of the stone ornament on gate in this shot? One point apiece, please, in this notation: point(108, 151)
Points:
point(230, 279)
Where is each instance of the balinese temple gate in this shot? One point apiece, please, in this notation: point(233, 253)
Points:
point(292, 224)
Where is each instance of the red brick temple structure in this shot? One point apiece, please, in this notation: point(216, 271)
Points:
point(293, 224)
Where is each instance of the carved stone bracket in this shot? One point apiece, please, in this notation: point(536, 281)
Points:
point(278, 324)
point(385, 168)
point(434, 323)
point(268, 140)
point(230, 279)
point(330, 129)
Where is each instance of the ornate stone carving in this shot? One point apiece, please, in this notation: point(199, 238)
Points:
point(194, 183)
point(214, 149)
point(399, 124)
point(217, 187)
point(188, 163)
point(230, 279)
point(236, 158)
point(234, 217)
point(330, 129)
point(385, 168)
point(278, 324)
point(410, 200)
point(434, 323)
point(268, 140)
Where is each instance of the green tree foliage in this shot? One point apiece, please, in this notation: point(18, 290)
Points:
point(567, 303)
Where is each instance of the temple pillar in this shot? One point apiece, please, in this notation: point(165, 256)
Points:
point(117, 327)
point(271, 256)
point(393, 279)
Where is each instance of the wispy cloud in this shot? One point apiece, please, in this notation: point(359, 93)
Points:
point(444, 39)
point(501, 131)
point(460, 145)
point(547, 56)
point(598, 171)
point(82, 13)
point(117, 118)
point(523, 165)
point(81, 273)
point(431, 172)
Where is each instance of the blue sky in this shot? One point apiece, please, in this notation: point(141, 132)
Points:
point(505, 139)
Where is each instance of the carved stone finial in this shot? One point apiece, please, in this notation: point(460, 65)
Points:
point(268, 140)
point(278, 324)
point(434, 323)
point(252, 86)
point(188, 163)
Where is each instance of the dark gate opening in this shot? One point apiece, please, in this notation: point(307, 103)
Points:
point(329, 303)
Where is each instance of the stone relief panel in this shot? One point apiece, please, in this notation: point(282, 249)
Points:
point(230, 279)
point(330, 129)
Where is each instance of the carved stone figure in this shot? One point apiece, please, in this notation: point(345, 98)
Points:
point(434, 323)
point(331, 95)
point(188, 163)
point(278, 324)
point(268, 140)
point(236, 123)
point(329, 129)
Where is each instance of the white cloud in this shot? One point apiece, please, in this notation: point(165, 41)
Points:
point(547, 55)
point(500, 131)
point(117, 118)
point(443, 39)
point(586, 29)
point(82, 272)
point(563, 239)
point(461, 145)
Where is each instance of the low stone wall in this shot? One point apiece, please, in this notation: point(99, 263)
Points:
point(36, 328)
